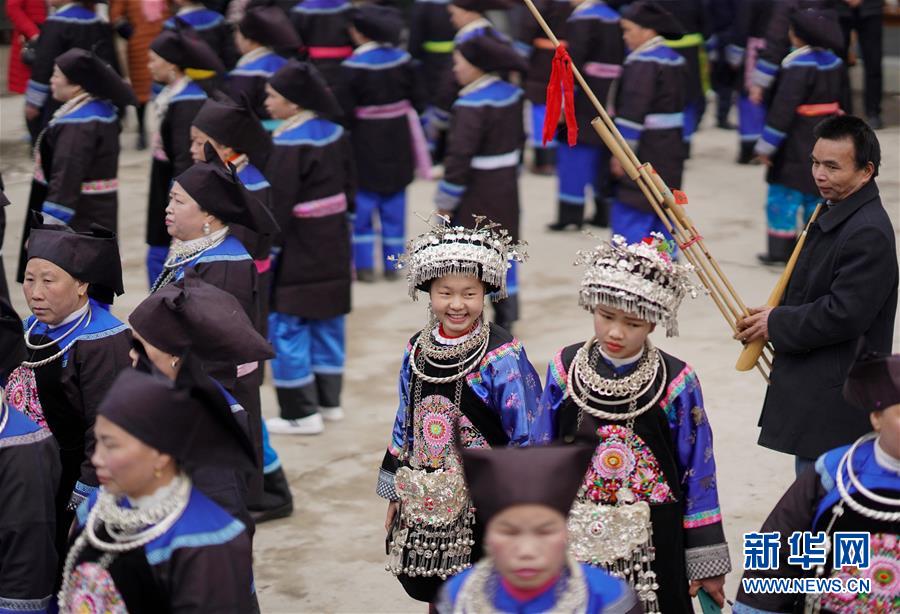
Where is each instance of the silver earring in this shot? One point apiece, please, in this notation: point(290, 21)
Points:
point(174, 362)
point(206, 228)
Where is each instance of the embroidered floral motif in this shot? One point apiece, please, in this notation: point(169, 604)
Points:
point(623, 460)
point(435, 419)
point(883, 571)
point(94, 591)
point(469, 436)
point(22, 394)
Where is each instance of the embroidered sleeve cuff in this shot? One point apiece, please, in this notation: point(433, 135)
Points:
point(36, 93)
point(448, 195)
point(8, 604)
point(630, 130)
point(80, 494)
point(770, 141)
point(385, 488)
point(763, 74)
point(734, 55)
point(707, 561)
point(60, 212)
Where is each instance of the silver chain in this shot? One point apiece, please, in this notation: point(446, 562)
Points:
point(580, 391)
point(46, 361)
point(130, 529)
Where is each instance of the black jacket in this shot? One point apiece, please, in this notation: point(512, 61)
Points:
point(844, 288)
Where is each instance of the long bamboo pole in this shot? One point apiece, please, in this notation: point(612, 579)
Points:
point(662, 201)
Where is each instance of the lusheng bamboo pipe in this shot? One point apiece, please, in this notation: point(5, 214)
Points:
point(753, 349)
point(661, 199)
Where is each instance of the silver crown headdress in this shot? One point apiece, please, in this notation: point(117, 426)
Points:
point(641, 278)
point(483, 251)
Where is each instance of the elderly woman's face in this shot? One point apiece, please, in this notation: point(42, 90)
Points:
point(52, 294)
point(184, 218)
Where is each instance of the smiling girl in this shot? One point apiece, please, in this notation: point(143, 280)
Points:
point(458, 373)
point(653, 473)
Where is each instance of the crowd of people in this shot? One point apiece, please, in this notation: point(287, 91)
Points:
point(134, 460)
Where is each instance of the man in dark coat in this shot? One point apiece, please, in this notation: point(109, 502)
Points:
point(843, 290)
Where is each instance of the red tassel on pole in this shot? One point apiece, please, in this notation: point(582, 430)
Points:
point(561, 91)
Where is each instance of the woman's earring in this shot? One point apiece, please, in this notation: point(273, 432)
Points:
point(206, 228)
point(157, 473)
point(174, 362)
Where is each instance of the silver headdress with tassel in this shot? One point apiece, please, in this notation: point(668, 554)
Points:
point(483, 251)
point(641, 278)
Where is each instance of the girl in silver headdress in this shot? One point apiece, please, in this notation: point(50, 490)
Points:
point(459, 374)
point(648, 508)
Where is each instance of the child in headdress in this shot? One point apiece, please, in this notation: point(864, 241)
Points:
point(648, 508)
point(458, 373)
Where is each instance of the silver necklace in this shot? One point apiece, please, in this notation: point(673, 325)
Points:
point(44, 346)
point(40, 363)
point(630, 385)
point(479, 590)
point(178, 260)
point(129, 528)
point(465, 366)
point(580, 391)
point(847, 461)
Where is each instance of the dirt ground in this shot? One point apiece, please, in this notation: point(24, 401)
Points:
point(329, 556)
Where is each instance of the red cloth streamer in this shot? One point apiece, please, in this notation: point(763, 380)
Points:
point(561, 90)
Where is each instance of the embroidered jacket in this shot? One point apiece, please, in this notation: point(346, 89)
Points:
point(379, 91)
point(484, 145)
point(596, 48)
point(202, 563)
point(71, 388)
point(501, 402)
point(171, 155)
point(72, 26)
point(807, 506)
point(315, 191)
point(76, 170)
point(538, 49)
point(212, 28)
point(650, 101)
point(249, 78)
point(810, 87)
point(666, 460)
point(431, 43)
point(29, 475)
point(323, 27)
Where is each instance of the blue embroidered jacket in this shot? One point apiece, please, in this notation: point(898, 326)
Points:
point(672, 464)
point(810, 505)
point(99, 351)
point(29, 477)
point(202, 563)
point(502, 392)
